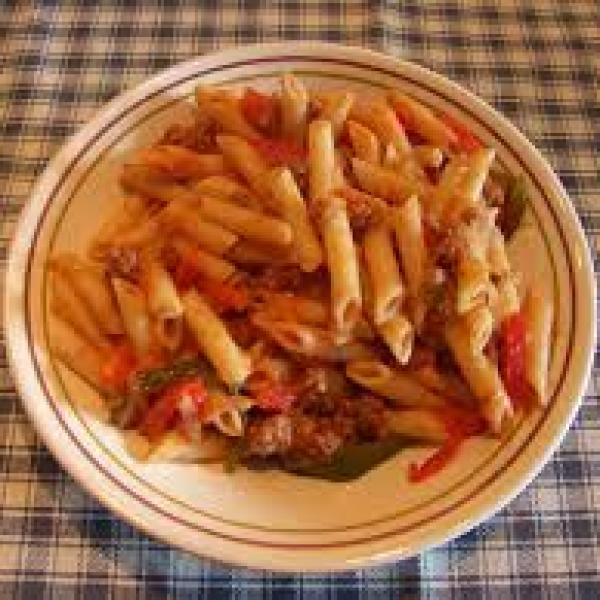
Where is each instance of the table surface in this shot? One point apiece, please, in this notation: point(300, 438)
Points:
point(536, 62)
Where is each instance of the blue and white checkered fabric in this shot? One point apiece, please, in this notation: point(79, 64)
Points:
point(537, 62)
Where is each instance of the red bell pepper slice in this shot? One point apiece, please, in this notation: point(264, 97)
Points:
point(118, 367)
point(224, 296)
point(258, 109)
point(281, 152)
point(460, 425)
point(511, 359)
point(467, 141)
point(162, 414)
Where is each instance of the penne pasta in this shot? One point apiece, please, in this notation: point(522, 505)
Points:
point(399, 386)
point(210, 236)
point(228, 359)
point(164, 305)
point(246, 223)
point(224, 187)
point(211, 266)
point(181, 163)
point(226, 114)
point(70, 307)
point(383, 183)
point(335, 107)
point(423, 120)
point(294, 108)
point(246, 161)
point(151, 182)
point(408, 228)
point(480, 373)
point(311, 342)
point(251, 253)
point(473, 284)
point(364, 142)
point(321, 159)
point(430, 157)
point(91, 285)
point(78, 354)
point(384, 274)
point(296, 245)
point(423, 425)
point(399, 335)
point(291, 207)
point(134, 312)
point(538, 313)
point(506, 299)
point(287, 306)
point(461, 184)
point(381, 119)
point(342, 263)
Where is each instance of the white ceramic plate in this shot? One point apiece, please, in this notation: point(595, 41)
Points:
point(275, 520)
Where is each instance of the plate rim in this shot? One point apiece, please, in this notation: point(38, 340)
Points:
point(299, 51)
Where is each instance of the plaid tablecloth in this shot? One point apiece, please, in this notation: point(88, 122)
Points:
point(537, 62)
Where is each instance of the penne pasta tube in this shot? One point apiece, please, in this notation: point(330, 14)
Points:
point(163, 298)
point(496, 253)
point(408, 228)
point(70, 307)
point(288, 306)
point(78, 354)
point(479, 326)
point(290, 205)
point(225, 188)
point(384, 183)
point(91, 285)
point(430, 157)
point(209, 265)
point(228, 118)
point(399, 386)
point(383, 272)
point(176, 447)
point(312, 342)
point(141, 234)
point(364, 142)
point(506, 299)
point(481, 375)
point(424, 425)
point(152, 182)
point(294, 108)
point(134, 312)
point(211, 236)
point(222, 411)
point(246, 252)
point(129, 212)
point(212, 93)
point(460, 188)
point(538, 314)
point(246, 161)
point(342, 263)
point(423, 120)
point(179, 162)
point(473, 284)
point(381, 119)
point(399, 335)
point(230, 361)
point(246, 223)
point(335, 109)
point(163, 304)
point(321, 159)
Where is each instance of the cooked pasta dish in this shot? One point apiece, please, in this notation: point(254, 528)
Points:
point(310, 280)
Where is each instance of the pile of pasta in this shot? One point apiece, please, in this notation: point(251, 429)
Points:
point(377, 208)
